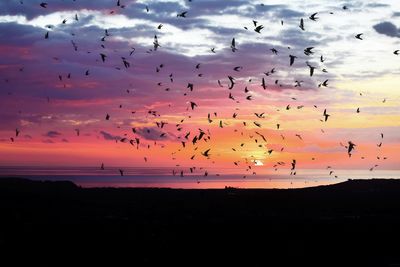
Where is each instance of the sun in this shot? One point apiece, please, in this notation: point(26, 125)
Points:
point(258, 163)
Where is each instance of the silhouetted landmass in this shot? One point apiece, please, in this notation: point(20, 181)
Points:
point(355, 223)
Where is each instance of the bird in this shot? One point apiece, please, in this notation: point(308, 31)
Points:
point(257, 124)
point(263, 84)
point(205, 153)
point(326, 115)
point(301, 26)
point(232, 82)
point(233, 45)
point(314, 17)
point(182, 14)
point(325, 84)
point(350, 148)
point(121, 172)
point(274, 51)
point(44, 5)
point(358, 36)
point(103, 57)
point(126, 63)
point(259, 28)
point(46, 36)
point(293, 165)
point(74, 45)
point(107, 117)
point(192, 105)
point(308, 51)
point(155, 43)
point(292, 58)
point(311, 69)
point(259, 115)
point(396, 52)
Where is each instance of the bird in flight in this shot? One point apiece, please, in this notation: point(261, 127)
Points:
point(358, 36)
point(205, 153)
point(311, 69)
point(192, 105)
point(233, 45)
point(292, 58)
point(259, 28)
point(155, 43)
point(350, 148)
point(308, 51)
point(301, 26)
point(326, 115)
point(314, 17)
point(182, 14)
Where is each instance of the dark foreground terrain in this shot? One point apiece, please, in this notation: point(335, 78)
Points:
point(356, 223)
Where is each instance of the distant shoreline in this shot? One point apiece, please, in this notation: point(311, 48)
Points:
point(23, 181)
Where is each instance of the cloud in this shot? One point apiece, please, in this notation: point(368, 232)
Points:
point(153, 133)
point(52, 134)
point(387, 28)
point(377, 5)
point(108, 136)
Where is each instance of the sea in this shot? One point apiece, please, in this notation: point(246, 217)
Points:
point(162, 178)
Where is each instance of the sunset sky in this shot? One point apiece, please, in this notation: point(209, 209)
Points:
point(47, 96)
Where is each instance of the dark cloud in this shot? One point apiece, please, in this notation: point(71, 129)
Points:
point(52, 134)
point(387, 28)
point(377, 5)
point(154, 134)
point(108, 136)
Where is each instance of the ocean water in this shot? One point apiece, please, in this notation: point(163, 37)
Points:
point(162, 177)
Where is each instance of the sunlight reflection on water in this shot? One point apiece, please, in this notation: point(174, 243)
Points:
point(161, 177)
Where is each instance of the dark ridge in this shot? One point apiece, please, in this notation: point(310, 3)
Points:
point(22, 184)
point(354, 223)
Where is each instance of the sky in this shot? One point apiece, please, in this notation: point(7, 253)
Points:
point(56, 92)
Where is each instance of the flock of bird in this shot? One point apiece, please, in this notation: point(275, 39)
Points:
point(135, 139)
